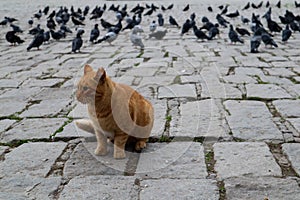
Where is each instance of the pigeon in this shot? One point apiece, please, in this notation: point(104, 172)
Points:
point(193, 16)
point(255, 43)
point(207, 26)
point(77, 42)
point(105, 24)
point(267, 4)
point(4, 22)
point(86, 10)
point(223, 22)
point(35, 30)
point(224, 11)
point(278, 5)
point(12, 38)
point(76, 22)
point(242, 31)
point(204, 19)
point(38, 15)
point(273, 26)
point(131, 24)
point(209, 8)
point(51, 14)
point(186, 27)
point(16, 28)
point(37, 41)
point(297, 5)
point(214, 31)
point(51, 23)
point(170, 6)
point(94, 33)
point(247, 6)
point(46, 36)
point(286, 34)
point(30, 22)
point(108, 37)
point(158, 34)
point(294, 26)
point(200, 34)
point(173, 22)
point(10, 19)
point(135, 38)
point(153, 26)
point(186, 8)
point(233, 15)
point(233, 36)
point(260, 4)
point(267, 40)
point(245, 20)
point(163, 8)
point(66, 29)
point(46, 10)
point(160, 20)
point(57, 35)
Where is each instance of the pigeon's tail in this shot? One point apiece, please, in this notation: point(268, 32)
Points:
point(240, 40)
point(274, 43)
point(102, 39)
point(29, 47)
point(20, 41)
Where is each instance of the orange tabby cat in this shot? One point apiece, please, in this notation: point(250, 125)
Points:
point(116, 112)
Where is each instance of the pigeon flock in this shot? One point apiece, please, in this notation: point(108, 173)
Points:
point(63, 22)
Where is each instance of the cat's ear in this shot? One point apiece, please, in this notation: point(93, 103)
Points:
point(100, 75)
point(87, 68)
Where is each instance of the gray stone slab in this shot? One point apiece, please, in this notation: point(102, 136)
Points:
point(13, 107)
point(177, 91)
point(83, 162)
point(41, 83)
point(55, 93)
point(252, 121)
point(9, 83)
point(244, 159)
point(47, 108)
point(266, 91)
point(33, 129)
point(3, 149)
point(22, 94)
point(28, 187)
point(292, 150)
point(198, 118)
point(172, 160)
point(34, 159)
point(100, 187)
point(200, 189)
point(261, 188)
point(5, 124)
point(71, 130)
point(295, 123)
point(80, 111)
point(288, 108)
point(160, 111)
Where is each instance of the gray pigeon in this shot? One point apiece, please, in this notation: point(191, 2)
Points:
point(158, 34)
point(255, 43)
point(153, 26)
point(135, 38)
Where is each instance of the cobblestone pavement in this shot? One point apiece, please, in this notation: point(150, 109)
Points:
point(227, 122)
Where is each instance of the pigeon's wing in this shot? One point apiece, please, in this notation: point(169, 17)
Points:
point(137, 41)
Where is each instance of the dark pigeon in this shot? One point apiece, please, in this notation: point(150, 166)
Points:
point(160, 20)
point(16, 28)
point(242, 31)
point(267, 40)
point(186, 8)
point(286, 34)
point(214, 31)
point(173, 22)
point(94, 33)
point(200, 34)
point(77, 42)
point(37, 41)
point(255, 43)
point(247, 6)
point(233, 36)
point(12, 38)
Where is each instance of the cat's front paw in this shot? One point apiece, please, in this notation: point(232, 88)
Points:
point(140, 145)
point(100, 151)
point(120, 154)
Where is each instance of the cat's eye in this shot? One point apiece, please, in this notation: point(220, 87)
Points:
point(85, 88)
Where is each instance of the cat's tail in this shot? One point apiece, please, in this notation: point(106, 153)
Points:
point(86, 125)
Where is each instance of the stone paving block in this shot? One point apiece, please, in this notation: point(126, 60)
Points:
point(293, 89)
point(5, 124)
point(28, 187)
point(42, 83)
point(47, 108)
point(172, 160)
point(229, 91)
point(80, 111)
point(239, 79)
point(40, 128)
point(200, 189)
point(266, 91)
point(284, 64)
point(100, 187)
point(142, 71)
point(198, 118)
point(34, 159)
point(3, 149)
point(54, 93)
point(280, 72)
point(160, 111)
point(9, 83)
point(83, 162)
point(71, 130)
point(247, 188)
point(235, 159)
point(13, 107)
point(157, 80)
point(292, 150)
point(177, 91)
point(288, 108)
point(295, 123)
point(245, 121)
point(21, 94)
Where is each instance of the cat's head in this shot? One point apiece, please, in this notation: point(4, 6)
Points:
point(91, 85)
